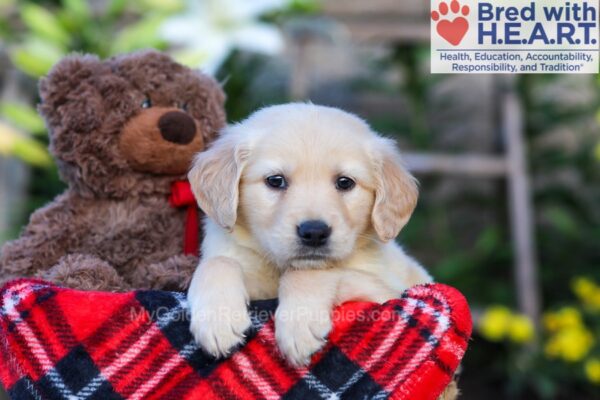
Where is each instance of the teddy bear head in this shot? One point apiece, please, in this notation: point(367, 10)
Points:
point(129, 125)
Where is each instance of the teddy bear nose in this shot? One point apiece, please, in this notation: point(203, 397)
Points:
point(177, 127)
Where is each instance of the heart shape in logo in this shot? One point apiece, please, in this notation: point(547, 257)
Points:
point(453, 31)
point(62, 343)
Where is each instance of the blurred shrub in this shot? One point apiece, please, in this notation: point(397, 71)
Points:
point(569, 355)
point(201, 34)
point(38, 34)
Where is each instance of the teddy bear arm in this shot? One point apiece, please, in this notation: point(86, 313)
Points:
point(43, 242)
point(84, 272)
point(50, 235)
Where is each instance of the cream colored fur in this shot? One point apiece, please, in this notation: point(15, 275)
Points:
point(251, 249)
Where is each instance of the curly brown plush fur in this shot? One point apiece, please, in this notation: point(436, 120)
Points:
point(122, 130)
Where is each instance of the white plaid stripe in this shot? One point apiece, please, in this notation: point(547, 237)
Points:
point(442, 325)
point(247, 368)
point(164, 369)
point(108, 371)
point(325, 392)
point(391, 337)
point(162, 322)
point(11, 300)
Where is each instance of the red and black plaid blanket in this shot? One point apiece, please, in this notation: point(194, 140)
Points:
point(65, 344)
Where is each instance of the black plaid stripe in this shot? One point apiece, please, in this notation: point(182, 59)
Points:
point(335, 376)
point(165, 309)
point(78, 373)
point(24, 389)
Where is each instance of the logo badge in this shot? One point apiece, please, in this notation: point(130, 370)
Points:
point(514, 36)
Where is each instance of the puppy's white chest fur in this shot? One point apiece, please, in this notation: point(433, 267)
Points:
point(390, 264)
point(261, 278)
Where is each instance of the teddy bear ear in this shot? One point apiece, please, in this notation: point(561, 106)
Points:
point(69, 96)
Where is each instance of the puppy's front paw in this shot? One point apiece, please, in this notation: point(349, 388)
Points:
point(218, 328)
point(299, 335)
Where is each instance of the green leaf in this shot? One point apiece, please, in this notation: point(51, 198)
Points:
point(305, 6)
point(12, 143)
point(162, 6)
point(32, 152)
point(138, 36)
point(488, 241)
point(190, 57)
point(116, 7)
point(75, 18)
point(44, 24)
point(23, 116)
point(35, 57)
point(453, 266)
point(562, 220)
point(77, 8)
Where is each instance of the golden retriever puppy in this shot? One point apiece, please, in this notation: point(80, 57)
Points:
point(302, 202)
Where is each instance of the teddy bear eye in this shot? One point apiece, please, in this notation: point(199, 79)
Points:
point(184, 106)
point(147, 103)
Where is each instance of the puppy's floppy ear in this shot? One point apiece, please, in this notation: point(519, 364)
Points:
point(396, 191)
point(215, 177)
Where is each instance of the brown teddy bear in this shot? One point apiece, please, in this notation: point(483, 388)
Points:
point(124, 132)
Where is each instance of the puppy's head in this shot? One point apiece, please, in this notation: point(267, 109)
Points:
point(310, 184)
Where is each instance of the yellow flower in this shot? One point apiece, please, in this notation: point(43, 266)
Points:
point(550, 322)
point(566, 317)
point(587, 291)
point(592, 370)
point(594, 300)
point(520, 329)
point(583, 287)
point(494, 323)
point(570, 344)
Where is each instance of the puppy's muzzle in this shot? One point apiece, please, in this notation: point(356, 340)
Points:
point(313, 233)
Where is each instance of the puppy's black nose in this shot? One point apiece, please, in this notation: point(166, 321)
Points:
point(177, 127)
point(314, 233)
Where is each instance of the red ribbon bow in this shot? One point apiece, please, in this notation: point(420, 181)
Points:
point(181, 196)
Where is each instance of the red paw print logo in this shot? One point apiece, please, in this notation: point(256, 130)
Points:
point(453, 30)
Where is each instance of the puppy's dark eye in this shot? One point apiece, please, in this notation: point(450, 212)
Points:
point(344, 183)
point(147, 103)
point(183, 106)
point(276, 182)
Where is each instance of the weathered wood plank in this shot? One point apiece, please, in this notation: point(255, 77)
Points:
point(521, 209)
point(463, 164)
point(386, 30)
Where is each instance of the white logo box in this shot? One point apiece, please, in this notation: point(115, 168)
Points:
point(514, 36)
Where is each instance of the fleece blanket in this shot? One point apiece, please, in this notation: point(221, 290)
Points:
point(59, 343)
